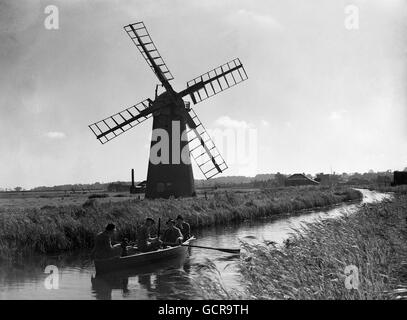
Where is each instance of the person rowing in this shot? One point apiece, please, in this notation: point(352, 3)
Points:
point(184, 227)
point(103, 244)
point(172, 236)
point(145, 242)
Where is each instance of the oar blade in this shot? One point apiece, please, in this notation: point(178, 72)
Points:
point(234, 251)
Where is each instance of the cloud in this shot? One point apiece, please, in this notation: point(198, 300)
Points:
point(337, 115)
point(389, 4)
point(250, 19)
point(228, 122)
point(55, 135)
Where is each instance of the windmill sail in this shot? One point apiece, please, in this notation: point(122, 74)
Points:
point(203, 150)
point(111, 127)
point(141, 38)
point(215, 81)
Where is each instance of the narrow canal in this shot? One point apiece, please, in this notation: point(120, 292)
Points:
point(172, 280)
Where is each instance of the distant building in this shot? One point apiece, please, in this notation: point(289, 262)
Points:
point(118, 187)
point(399, 178)
point(327, 179)
point(141, 187)
point(299, 179)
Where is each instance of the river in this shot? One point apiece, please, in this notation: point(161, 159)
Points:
point(175, 280)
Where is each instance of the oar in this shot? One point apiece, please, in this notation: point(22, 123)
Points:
point(212, 248)
point(159, 226)
point(235, 251)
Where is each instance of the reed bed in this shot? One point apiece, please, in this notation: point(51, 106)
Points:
point(311, 265)
point(52, 229)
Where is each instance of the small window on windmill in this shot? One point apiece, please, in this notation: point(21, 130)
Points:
point(160, 187)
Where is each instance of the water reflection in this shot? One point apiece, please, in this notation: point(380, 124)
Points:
point(103, 287)
point(159, 281)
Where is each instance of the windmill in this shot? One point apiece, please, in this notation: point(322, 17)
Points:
point(172, 114)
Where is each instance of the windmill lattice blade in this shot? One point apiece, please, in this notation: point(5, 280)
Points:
point(215, 81)
point(204, 151)
point(111, 127)
point(141, 38)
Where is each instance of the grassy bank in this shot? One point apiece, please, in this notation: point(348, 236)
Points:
point(312, 263)
point(53, 229)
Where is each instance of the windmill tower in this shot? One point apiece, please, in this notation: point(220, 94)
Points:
point(173, 116)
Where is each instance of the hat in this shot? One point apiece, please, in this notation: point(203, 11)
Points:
point(170, 220)
point(110, 227)
point(150, 219)
point(180, 217)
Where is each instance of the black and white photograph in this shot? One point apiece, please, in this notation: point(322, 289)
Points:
point(216, 152)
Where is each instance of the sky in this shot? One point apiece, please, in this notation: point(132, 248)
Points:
point(319, 97)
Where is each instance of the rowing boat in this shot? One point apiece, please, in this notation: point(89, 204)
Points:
point(141, 259)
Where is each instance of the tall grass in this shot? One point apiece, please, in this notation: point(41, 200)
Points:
point(312, 264)
point(55, 229)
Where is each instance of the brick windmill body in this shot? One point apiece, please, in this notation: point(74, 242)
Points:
point(173, 176)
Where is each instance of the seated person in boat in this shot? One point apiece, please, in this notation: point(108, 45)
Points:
point(124, 245)
point(145, 242)
point(173, 235)
point(103, 244)
point(184, 227)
